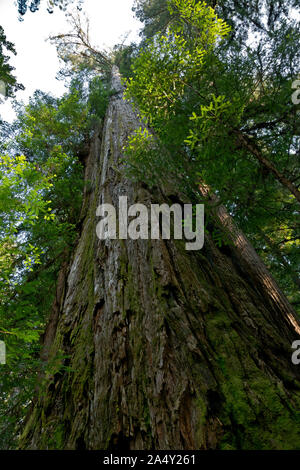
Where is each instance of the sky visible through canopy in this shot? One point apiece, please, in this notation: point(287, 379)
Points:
point(36, 62)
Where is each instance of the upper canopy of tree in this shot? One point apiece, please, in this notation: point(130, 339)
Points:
point(34, 5)
point(242, 16)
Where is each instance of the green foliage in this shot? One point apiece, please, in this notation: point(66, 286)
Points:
point(243, 17)
point(6, 75)
point(123, 57)
point(77, 52)
point(35, 4)
point(154, 14)
point(41, 186)
point(199, 85)
point(197, 82)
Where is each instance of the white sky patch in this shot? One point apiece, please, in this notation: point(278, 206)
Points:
point(37, 63)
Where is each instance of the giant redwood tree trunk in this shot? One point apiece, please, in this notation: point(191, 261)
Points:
point(151, 346)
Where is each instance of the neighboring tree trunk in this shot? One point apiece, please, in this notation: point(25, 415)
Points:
point(156, 347)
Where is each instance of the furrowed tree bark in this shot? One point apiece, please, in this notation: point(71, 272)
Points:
point(157, 347)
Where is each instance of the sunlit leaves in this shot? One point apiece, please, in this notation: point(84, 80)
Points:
point(34, 5)
point(196, 90)
point(204, 26)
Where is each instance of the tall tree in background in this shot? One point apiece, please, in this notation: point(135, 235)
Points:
point(41, 183)
point(150, 346)
point(8, 81)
